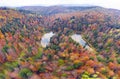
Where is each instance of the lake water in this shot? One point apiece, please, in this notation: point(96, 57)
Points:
point(78, 38)
point(46, 39)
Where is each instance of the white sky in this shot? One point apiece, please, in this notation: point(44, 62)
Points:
point(105, 3)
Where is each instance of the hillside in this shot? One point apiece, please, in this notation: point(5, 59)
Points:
point(22, 55)
point(50, 10)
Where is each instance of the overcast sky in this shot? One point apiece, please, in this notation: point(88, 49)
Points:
point(105, 3)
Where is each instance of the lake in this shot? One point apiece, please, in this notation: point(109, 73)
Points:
point(46, 39)
point(76, 37)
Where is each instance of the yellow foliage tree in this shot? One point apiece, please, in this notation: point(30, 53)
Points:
point(1, 35)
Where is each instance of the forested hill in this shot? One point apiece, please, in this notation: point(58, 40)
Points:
point(56, 9)
point(50, 10)
point(23, 57)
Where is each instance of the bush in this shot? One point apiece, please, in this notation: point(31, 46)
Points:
point(38, 56)
point(100, 59)
point(118, 60)
point(41, 69)
point(69, 68)
point(64, 75)
point(104, 72)
point(74, 66)
point(5, 48)
point(25, 73)
point(49, 56)
point(77, 65)
point(61, 62)
point(9, 66)
point(91, 58)
point(2, 76)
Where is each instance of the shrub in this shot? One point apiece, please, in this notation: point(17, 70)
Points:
point(41, 69)
point(100, 59)
point(64, 75)
point(9, 66)
point(69, 68)
point(38, 55)
point(61, 62)
point(2, 76)
point(49, 56)
point(5, 48)
point(77, 65)
point(25, 73)
point(118, 60)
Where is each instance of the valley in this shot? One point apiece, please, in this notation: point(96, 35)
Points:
point(59, 42)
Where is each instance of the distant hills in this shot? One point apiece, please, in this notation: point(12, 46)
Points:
point(56, 9)
point(50, 10)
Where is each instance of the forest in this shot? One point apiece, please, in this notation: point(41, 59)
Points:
point(22, 55)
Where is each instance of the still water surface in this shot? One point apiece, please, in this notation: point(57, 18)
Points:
point(76, 37)
point(46, 39)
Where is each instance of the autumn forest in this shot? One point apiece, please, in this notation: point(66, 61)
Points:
point(22, 56)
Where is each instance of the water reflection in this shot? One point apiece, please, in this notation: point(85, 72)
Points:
point(46, 39)
point(78, 38)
